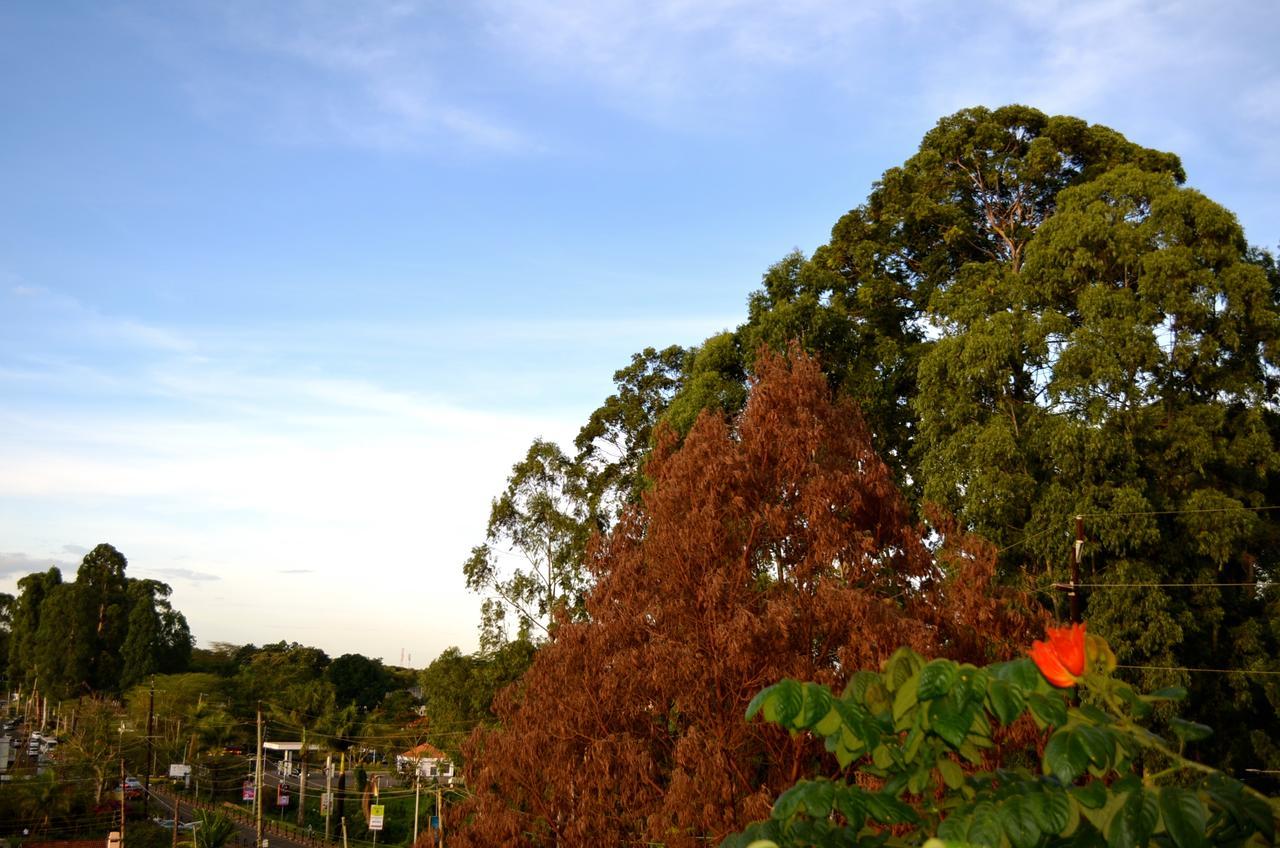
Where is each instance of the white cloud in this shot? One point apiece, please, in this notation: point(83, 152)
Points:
point(372, 74)
point(240, 466)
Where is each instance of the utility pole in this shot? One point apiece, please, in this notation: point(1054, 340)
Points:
point(417, 782)
point(328, 795)
point(440, 811)
point(344, 832)
point(302, 783)
point(257, 788)
point(122, 794)
point(1076, 554)
point(151, 716)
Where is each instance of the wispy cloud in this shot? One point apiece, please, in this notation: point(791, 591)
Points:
point(13, 564)
point(382, 75)
point(183, 574)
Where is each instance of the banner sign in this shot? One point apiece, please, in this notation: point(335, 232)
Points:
point(375, 816)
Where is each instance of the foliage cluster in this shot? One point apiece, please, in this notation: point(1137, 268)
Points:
point(1038, 320)
point(913, 744)
point(102, 632)
point(778, 546)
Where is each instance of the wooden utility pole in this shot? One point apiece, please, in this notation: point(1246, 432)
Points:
point(257, 788)
point(122, 796)
point(1076, 553)
point(439, 811)
point(302, 783)
point(176, 807)
point(328, 795)
point(417, 783)
point(146, 778)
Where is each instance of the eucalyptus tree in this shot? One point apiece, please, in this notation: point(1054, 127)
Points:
point(530, 565)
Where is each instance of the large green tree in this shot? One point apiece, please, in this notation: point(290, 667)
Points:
point(1039, 320)
point(6, 632)
point(32, 591)
point(102, 589)
point(458, 690)
point(358, 680)
point(530, 565)
point(102, 632)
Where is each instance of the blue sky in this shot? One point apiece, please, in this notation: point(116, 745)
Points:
point(286, 288)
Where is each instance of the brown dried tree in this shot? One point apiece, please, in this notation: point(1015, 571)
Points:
point(773, 546)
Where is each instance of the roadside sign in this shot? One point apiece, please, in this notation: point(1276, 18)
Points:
point(179, 770)
point(326, 802)
point(375, 816)
point(282, 796)
point(247, 792)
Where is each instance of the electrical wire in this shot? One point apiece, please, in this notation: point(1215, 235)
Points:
point(1245, 671)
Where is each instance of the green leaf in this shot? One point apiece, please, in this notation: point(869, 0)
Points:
point(915, 738)
point(1092, 795)
point(952, 725)
point(758, 702)
point(904, 699)
point(817, 703)
point(850, 802)
point(984, 827)
point(901, 667)
point(829, 724)
point(936, 679)
point(1051, 810)
point(920, 780)
point(881, 757)
point(812, 797)
point(952, 774)
point(1048, 710)
point(857, 686)
point(1189, 731)
point(1065, 757)
point(783, 703)
point(1184, 816)
point(1006, 701)
point(1020, 673)
point(889, 810)
point(1099, 745)
point(1018, 823)
point(1134, 822)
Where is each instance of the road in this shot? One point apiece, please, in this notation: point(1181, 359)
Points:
point(274, 833)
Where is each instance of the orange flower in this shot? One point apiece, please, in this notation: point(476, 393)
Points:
point(1061, 659)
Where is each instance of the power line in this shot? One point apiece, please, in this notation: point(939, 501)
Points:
point(1207, 670)
point(1065, 585)
point(1126, 513)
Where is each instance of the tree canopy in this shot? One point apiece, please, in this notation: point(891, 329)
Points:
point(776, 545)
point(102, 632)
point(1039, 320)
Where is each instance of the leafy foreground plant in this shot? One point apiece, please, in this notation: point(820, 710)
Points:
point(922, 733)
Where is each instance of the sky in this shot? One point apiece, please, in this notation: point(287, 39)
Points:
point(286, 288)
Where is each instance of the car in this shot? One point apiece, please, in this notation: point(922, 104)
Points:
point(167, 824)
point(132, 787)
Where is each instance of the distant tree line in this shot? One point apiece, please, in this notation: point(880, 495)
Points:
point(100, 633)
